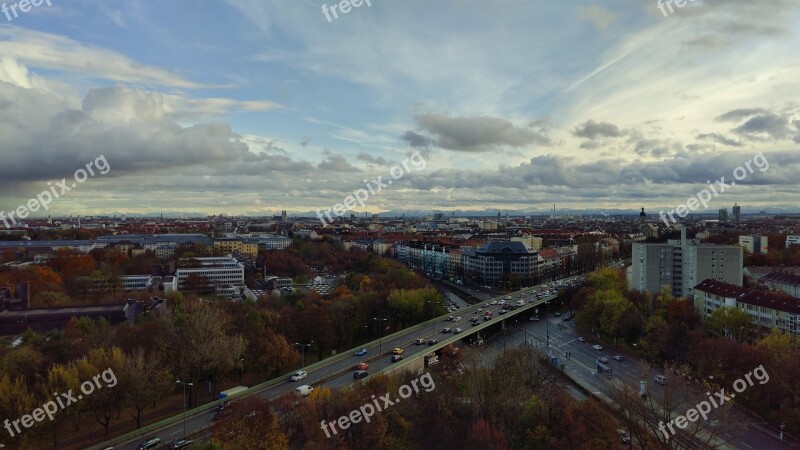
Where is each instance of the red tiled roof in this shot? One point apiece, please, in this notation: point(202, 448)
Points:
point(786, 278)
point(766, 299)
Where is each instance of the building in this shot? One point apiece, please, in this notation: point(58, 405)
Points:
point(767, 310)
point(723, 215)
point(235, 245)
point(737, 213)
point(224, 275)
point(754, 244)
point(792, 240)
point(533, 242)
point(496, 259)
point(788, 283)
point(682, 264)
point(433, 259)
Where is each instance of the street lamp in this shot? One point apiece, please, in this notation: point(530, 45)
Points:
point(305, 346)
point(241, 369)
point(184, 402)
point(380, 342)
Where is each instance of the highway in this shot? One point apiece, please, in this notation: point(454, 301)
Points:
point(337, 372)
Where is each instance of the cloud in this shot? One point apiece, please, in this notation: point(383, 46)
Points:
point(738, 114)
point(475, 134)
point(719, 138)
point(416, 139)
point(337, 163)
point(592, 130)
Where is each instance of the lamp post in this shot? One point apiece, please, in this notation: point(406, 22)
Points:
point(241, 369)
point(184, 402)
point(304, 346)
point(380, 342)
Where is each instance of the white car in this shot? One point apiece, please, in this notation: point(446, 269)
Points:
point(299, 375)
point(597, 347)
point(456, 319)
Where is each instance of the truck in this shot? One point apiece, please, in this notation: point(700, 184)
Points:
point(487, 315)
point(230, 392)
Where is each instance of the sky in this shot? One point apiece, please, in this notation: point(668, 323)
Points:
point(248, 107)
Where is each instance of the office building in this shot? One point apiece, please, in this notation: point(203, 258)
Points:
point(792, 240)
point(224, 275)
point(723, 215)
point(737, 213)
point(490, 263)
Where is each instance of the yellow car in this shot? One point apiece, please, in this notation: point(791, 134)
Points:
point(398, 350)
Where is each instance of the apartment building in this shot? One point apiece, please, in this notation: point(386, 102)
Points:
point(235, 245)
point(767, 310)
point(487, 264)
point(792, 240)
point(788, 283)
point(682, 264)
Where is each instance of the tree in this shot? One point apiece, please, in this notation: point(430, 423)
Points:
point(249, 424)
point(731, 322)
point(99, 370)
point(146, 379)
point(200, 348)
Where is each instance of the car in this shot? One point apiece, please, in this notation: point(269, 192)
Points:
point(433, 341)
point(446, 330)
point(456, 319)
point(660, 379)
point(361, 352)
point(558, 314)
point(457, 330)
point(617, 358)
point(475, 321)
point(597, 347)
point(178, 444)
point(508, 297)
point(359, 374)
point(535, 319)
point(419, 341)
point(299, 375)
point(501, 302)
point(303, 390)
point(493, 302)
point(603, 359)
point(396, 358)
point(449, 318)
point(362, 366)
point(503, 311)
point(398, 350)
point(147, 444)
point(581, 339)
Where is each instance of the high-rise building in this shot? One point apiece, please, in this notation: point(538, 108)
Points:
point(723, 215)
point(754, 244)
point(682, 264)
point(737, 213)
